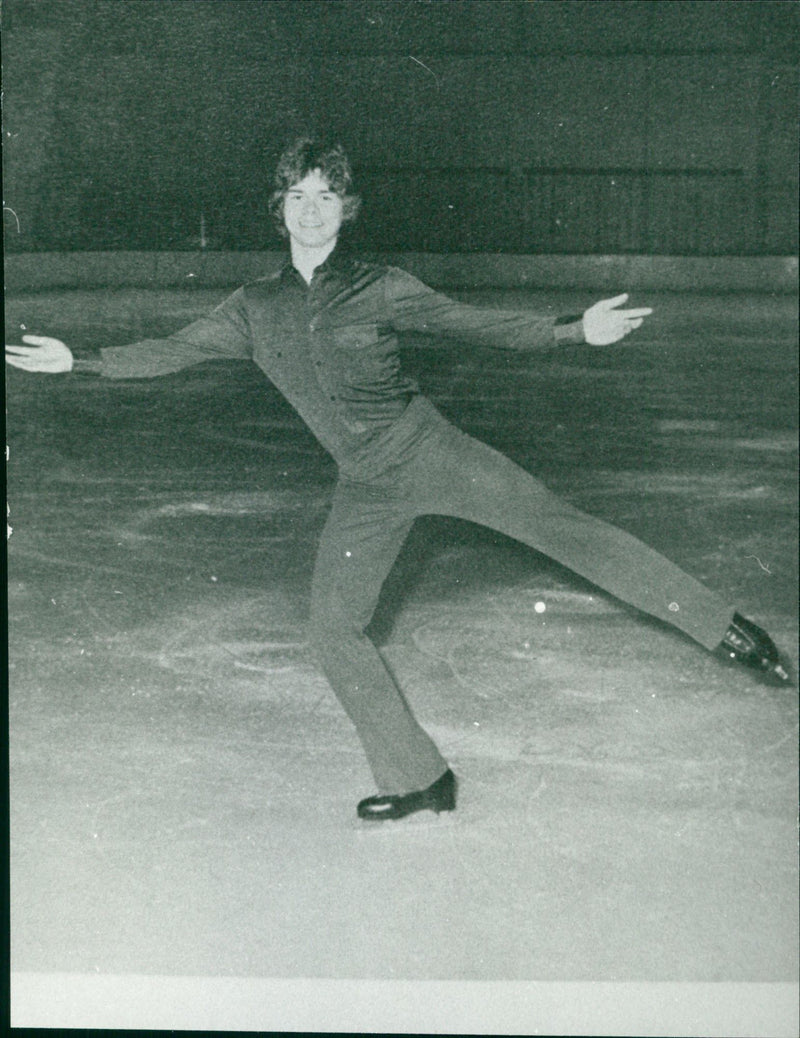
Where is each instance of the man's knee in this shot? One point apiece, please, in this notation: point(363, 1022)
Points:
point(332, 617)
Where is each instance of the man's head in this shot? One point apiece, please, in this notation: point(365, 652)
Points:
point(308, 166)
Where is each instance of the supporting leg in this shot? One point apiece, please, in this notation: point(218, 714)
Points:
point(359, 545)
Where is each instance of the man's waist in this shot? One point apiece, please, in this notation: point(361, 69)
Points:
point(392, 443)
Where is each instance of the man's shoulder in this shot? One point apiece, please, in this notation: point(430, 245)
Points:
point(262, 288)
point(396, 278)
point(378, 266)
point(361, 270)
point(265, 280)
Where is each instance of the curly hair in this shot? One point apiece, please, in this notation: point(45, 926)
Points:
point(304, 156)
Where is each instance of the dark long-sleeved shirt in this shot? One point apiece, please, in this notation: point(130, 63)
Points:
point(331, 347)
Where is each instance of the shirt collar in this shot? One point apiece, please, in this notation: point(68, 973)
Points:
point(340, 261)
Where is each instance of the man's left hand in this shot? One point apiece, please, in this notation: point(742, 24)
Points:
point(604, 324)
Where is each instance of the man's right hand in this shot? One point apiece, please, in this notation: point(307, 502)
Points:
point(43, 354)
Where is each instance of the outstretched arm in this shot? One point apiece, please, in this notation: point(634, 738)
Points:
point(416, 307)
point(224, 334)
point(42, 354)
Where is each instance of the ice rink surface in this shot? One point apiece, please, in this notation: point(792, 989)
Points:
point(183, 781)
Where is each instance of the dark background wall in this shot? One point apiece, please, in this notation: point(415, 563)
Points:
point(527, 126)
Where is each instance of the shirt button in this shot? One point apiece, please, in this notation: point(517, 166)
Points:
point(279, 353)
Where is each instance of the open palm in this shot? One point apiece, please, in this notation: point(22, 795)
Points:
point(603, 323)
point(43, 354)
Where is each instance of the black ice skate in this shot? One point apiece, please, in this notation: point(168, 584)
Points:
point(746, 643)
point(440, 796)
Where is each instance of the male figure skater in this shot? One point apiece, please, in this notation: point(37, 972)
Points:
point(324, 330)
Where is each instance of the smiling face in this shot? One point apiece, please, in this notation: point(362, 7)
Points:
point(313, 212)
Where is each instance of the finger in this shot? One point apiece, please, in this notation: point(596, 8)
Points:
point(38, 340)
point(636, 324)
point(18, 362)
point(22, 351)
point(642, 311)
point(607, 304)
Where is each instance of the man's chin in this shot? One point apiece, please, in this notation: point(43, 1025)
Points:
point(313, 241)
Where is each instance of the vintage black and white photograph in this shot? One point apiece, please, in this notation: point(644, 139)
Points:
point(401, 442)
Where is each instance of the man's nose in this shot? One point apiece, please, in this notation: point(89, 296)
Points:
point(310, 208)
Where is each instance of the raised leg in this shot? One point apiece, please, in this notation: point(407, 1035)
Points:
point(463, 477)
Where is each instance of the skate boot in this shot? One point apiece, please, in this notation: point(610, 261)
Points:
point(746, 643)
point(441, 796)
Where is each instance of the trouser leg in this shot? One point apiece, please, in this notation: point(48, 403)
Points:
point(463, 477)
point(459, 476)
point(359, 545)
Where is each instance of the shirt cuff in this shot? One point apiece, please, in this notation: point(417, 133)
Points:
point(569, 331)
point(87, 366)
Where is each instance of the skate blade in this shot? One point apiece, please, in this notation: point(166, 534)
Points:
point(417, 822)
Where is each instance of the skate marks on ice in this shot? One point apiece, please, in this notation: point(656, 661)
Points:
point(698, 488)
point(583, 697)
point(237, 633)
point(226, 826)
point(503, 644)
point(238, 538)
point(270, 505)
point(242, 644)
point(710, 434)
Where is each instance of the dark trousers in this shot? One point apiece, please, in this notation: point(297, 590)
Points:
point(441, 471)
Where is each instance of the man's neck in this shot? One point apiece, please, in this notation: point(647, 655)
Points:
point(306, 260)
